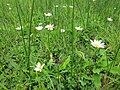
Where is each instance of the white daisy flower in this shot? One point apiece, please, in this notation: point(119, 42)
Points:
point(56, 6)
point(19, 28)
point(62, 30)
point(10, 8)
point(50, 26)
point(39, 67)
point(8, 4)
point(97, 43)
point(109, 19)
point(70, 6)
point(39, 27)
point(64, 6)
point(48, 14)
point(78, 28)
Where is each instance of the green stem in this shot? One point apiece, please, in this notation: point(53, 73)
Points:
point(38, 80)
point(72, 39)
point(24, 45)
point(29, 39)
point(113, 63)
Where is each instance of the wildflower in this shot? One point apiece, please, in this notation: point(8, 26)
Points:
point(97, 43)
point(8, 4)
point(39, 67)
point(71, 6)
point(10, 8)
point(19, 28)
point(78, 28)
point(39, 27)
point(62, 30)
point(64, 6)
point(56, 6)
point(50, 26)
point(48, 14)
point(31, 35)
point(109, 19)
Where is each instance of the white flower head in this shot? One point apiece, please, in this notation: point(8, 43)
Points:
point(78, 28)
point(62, 30)
point(50, 26)
point(56, 6)
point(64, 6)
point(31, 35)
point(39, 27)
point(39, 67)
point(109, 19)
point(19, 28)
point(8, 4)
point(10, 8)
point(97, 43)
point(48, 14)
point(70, 6)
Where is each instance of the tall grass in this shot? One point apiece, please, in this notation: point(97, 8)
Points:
point(71, 62)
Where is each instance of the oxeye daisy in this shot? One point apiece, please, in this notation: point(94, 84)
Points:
point(109, 19)
point(39, 27)
point(70, 6)
point(56, 6)
point(78, 28)
point(50, 26)
point(62, 30)
point(19, 28)
point(8, 4)
point(97, 43)
point(64, 6)
point(39, 67)
point(10, 8)
point(48, 14)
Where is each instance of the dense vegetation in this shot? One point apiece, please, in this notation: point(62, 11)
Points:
point(55, 44)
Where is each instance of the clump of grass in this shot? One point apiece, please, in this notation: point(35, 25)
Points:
point(70, 53)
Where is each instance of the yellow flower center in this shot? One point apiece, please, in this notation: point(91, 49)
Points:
point(50, 26)
point(97, 45)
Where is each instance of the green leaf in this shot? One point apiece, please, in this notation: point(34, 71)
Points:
point(96, 80)
point(85, 76)
point(63, 66)
point(115, 70)
point(103, 63)
point(81, 54)
point(82, 83)
point(97, 70)
point(87, 63)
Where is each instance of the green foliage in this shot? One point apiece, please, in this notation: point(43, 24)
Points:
point(71, 62)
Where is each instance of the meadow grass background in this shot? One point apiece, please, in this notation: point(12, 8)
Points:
point(71, 62)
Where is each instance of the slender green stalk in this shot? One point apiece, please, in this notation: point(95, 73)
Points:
point(17, 2)
point(38, 80)
point(29, 39)
point(79, 8)
point(72, 34)
point(88, 11)
point(113, 63)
